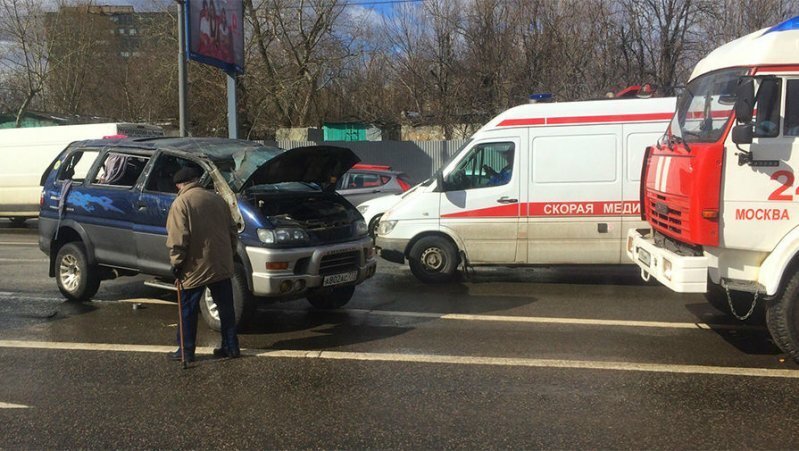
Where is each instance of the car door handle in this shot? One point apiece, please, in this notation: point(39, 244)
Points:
point(507, 200)
point(375, 191)
point(141, 206)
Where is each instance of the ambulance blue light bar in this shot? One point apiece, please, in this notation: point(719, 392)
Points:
point(541, 97)
point(790, 24)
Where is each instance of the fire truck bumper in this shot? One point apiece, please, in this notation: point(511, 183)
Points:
point(678, 272)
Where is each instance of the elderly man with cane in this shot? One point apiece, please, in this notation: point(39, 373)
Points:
point(201, 237)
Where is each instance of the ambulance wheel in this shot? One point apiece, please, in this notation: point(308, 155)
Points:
point(434, 259)
point(243, 302)
point(782, 318)
point(76, 279)
point(716, 296)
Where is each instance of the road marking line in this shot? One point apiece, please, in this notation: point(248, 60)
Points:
point(18, 243)
point(545, 320)
point(427, 358)
point(24, 260)
point(459, 316)
point(8, 405)
point(146, 301)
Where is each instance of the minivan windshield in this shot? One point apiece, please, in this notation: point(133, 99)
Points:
point(705, 107)
point(237, 166)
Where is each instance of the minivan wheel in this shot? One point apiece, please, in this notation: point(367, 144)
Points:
point(76, 279)
point(243, 302)
point(434, 259)
point(331, 298)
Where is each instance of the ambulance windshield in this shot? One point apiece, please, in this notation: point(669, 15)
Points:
point(705, 107)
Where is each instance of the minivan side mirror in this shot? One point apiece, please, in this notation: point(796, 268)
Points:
point(743, 134)
point(745, 93)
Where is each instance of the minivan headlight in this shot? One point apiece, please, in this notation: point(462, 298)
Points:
point(283, 235)
point(360, 227)
point(385, 227)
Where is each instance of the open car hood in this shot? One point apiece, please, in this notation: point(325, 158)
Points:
point(323, 165)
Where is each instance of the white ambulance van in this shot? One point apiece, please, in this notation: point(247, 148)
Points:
point(540, 184)
point(25, 153)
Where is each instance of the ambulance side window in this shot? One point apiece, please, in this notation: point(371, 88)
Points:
point(792, 108)
point(767, 105)
point(487, 164)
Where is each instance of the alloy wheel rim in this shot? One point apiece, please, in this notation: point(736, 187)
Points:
point(211, 305)
point(69, 272)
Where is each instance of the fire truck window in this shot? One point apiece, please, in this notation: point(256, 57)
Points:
point(767, 106)
point(792, 109)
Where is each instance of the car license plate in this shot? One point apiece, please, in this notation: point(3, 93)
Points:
point(644, 257)
point(337, 279)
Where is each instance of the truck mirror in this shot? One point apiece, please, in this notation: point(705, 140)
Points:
point(743, 134)
point(745, 101)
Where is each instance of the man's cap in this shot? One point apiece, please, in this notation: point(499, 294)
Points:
point(186, 175)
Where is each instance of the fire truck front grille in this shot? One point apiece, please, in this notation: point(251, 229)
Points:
point(668, 214)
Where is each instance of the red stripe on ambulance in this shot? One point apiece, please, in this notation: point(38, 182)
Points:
point(561, 209)
point(553, 209)
point(566, 120)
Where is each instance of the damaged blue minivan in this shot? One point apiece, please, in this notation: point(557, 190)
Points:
point(105, 202)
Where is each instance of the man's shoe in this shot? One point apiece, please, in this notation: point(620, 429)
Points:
point(175, 356)
point(222, 353)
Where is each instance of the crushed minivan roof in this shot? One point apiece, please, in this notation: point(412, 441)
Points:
point(247, 163)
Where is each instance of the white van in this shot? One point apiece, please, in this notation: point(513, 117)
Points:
point(540, 184)
point(25, 153)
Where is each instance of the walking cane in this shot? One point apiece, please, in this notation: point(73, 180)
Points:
point(179, 286)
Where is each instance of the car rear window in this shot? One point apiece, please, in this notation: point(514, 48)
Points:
point(76, 165)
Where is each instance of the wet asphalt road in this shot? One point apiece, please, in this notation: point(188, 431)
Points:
point(566, 358)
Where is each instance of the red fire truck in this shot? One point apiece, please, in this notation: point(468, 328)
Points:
point(719, 190)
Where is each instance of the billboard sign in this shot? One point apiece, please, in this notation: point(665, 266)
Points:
point(216, 33)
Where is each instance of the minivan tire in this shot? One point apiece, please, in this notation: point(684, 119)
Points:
point(434, 259)
point(331, 298)
point(243, 302)
point(76, 278)
point(782, 318)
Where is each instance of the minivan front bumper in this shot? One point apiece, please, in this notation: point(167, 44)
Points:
point(309, 268)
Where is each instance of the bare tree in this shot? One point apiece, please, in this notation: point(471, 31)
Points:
point(295, 45)
point(25, 59)
point(660, 34)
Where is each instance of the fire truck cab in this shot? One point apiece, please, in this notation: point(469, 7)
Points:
point(719, 189)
